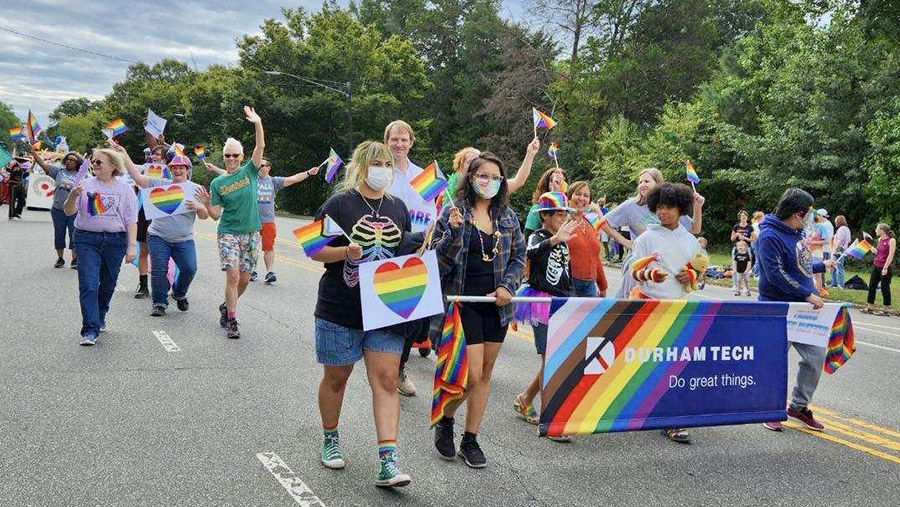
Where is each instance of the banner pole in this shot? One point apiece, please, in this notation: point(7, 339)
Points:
point(520, 299)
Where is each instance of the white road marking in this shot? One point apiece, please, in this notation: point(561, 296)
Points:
point(863, 326)
point(878, 346)
point(167, 342)
point(295, 487)
point(875, 325)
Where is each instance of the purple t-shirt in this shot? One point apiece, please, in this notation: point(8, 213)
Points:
point(105, 207)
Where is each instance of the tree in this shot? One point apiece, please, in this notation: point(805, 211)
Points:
point(8, 119)
point(72, 107)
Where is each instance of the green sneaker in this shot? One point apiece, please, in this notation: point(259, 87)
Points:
point(389, 476)
point(331, 452)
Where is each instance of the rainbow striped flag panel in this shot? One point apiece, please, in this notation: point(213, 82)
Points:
point(859, 249)
point(451, 371)
point(692, 175)
point(333, 163)
point(542, 120)
point(430, 182)
point(117, 127)
point(619, 365)
point(17, 133)
point(32, 127)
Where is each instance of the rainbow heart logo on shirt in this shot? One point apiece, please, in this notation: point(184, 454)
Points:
point(168, 199)
point(401, 288)
point(159, 172)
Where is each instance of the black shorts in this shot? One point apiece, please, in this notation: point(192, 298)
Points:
point(481, 323)
point(142, 225)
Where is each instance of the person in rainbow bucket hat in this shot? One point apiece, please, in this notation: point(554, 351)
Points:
point(549, 274)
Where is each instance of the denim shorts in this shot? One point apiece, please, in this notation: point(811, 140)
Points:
point(337, 345)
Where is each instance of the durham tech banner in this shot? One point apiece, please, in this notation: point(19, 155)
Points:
point(619, 365)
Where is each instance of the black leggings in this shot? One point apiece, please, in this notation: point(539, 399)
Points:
point(885, 285)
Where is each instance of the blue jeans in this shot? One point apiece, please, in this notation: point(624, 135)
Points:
point(584, 288)
point(755, 269)
point(838, 278)
point(61, 224)
point(100, 257)
point(185, 256)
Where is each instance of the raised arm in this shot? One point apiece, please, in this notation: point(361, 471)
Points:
point(518, 181)
point(133, 170)
point(211, 168)
point(302, 175)
point(39, 160)
point(260, 147)
point(698, 213)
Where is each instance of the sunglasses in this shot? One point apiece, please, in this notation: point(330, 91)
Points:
point(231, 155)
point(96, 163)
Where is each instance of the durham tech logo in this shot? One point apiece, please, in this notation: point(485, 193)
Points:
point(599, 355)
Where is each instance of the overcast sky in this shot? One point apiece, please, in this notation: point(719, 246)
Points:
point(38, 76)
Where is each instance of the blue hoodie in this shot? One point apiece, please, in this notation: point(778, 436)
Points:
point(785, 263)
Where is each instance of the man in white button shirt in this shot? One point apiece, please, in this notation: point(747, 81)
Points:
point(399, 138)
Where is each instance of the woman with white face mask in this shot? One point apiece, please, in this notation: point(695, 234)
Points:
point(376, 224)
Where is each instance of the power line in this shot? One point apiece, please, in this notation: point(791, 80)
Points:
point(66, 46)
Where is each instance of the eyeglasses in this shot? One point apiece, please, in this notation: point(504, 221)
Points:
point(231, 155)
point(265, 165)
point(96, 163)
point(485, 178)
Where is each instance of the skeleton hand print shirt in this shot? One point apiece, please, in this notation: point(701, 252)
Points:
point(378, 226)
point(549, 267)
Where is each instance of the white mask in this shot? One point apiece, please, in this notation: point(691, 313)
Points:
point(379, 177)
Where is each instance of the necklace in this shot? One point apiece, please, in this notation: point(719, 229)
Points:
point(496, 249)
point(374, 210)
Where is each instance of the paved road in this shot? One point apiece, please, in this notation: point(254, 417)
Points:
point(133, 421)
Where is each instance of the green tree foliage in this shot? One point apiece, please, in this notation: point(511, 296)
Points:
point(8, 119)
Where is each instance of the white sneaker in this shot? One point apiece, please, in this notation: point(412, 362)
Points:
point(405, 386)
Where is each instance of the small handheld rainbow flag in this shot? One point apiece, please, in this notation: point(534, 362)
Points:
point(841, 342)
point(541, 120)
point(32, 127)
point(117, 127)
point(430, 182)
point(859, 249)
point(315, 236)
point(200, 151)
point(17, 133)
point(643, 262)
point(691, 173)
point(178, 149)
point(595, 220)
point(451, 372)
point(553, 150)
point(333, 163)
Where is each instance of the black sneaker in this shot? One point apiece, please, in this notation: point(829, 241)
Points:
point(470, 451)
point(253, 276)
point(443, 438)
point(73, 264)
point(231, 329)
point(141, 292)
point(183, 304)
point(223, 312)
point(59, 263)
point(270, 278)
point(158, 311)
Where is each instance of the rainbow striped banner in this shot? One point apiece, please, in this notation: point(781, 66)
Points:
point(430, 182)
point(32, 127)
point(117, 127)
point(17, 133)
point(451, 372)
point(620, 365)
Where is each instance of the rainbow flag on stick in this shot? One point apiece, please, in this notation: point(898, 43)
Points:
point(451, 372)
point(333, 163)
point(116, 128)
point(17, 133)
point(541, 120)
point(691, 173)
point(200, 151)
point(315, 236)
point(595, 220)
point(553, 150)
point(858, 249)
point(430, 182)
point(32, 127)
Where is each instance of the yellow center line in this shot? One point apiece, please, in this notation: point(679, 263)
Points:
point(841, 441)
point(860, 435)
point(864, 424)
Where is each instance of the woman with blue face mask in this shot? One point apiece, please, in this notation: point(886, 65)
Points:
point(481, 252)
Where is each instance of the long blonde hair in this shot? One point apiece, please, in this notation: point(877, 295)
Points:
point(114, 158)
point(656, 175)
point(358, 168)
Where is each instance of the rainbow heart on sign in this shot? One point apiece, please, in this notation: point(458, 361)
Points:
point(168, 199)
point(401, 288)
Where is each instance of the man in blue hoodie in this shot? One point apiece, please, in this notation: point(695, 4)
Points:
point(786, 274)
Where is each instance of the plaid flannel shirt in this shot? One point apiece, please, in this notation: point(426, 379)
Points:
point(452, 246)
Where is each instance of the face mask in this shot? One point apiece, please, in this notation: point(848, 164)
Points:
point(379, 177)
point(488, 191)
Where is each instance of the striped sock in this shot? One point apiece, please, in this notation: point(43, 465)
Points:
point(329, 431)
point(386, 448)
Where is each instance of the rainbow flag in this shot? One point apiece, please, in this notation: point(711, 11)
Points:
point(451, 372)
point(95, 204)
point(841, 343)
point(541, 120)
point(17, 133)
point(430, 182)
point(117, 127)
point(32, 127)
point(691, 173)
point(859, 249)
point(553, 150)
point(200, 151)
point(620, 365)
point(595, 220)
point(334, 163)
point(315, 236)
point(178, 149)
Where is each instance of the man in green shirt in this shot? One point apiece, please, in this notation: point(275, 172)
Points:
point(232, 201)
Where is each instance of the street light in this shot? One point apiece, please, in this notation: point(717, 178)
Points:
point(347, 92)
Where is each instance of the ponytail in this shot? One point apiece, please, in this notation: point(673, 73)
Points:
point(886, 229)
